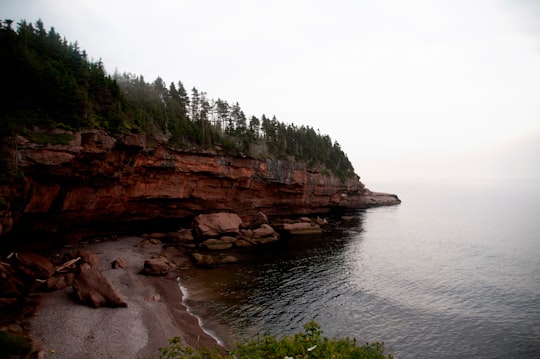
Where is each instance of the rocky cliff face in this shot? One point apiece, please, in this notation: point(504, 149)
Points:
point(99, 179)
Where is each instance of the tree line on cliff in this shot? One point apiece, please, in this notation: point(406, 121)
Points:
point(51, 83)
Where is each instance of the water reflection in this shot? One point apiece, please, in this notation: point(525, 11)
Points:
point(432, 278)
point(278, 288)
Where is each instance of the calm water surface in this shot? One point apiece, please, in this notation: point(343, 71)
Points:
point(452, 272)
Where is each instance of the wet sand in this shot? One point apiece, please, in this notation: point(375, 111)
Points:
point(155, 313)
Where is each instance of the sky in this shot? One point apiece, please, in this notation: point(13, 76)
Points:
point(409, 89)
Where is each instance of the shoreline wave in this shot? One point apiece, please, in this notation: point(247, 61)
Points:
point(209, 332)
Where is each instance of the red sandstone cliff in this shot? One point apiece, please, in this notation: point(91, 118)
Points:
point(99, 179)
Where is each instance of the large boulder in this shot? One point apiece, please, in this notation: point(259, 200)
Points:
point(182, 236)
point(216, 224)
point(54, 283)
point(88, 257)
point(203, 260)
point(95, 290)
point(259, 219)
point(34, 266)
point(217, 245)
point(302, 228)
point(156, 266)
point(264, 231)
point(119, 263)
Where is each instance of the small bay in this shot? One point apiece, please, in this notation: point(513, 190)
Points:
point(453, 272)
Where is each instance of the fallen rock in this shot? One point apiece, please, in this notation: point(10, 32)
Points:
point(242, 243)
point(54, 283)
point(264, 231)
point(157, 236)
point(92, 288)
point(156, 267)
point(119, 263)
point(302, 228)
point(228, 239)
point(70, 277)
point(150, 242)
point(259, 219)
point(265, 240)
point(217, 245)
point(228, 260)
point(183, 235)
point(203, 260)
point(34, 265)
point(88, 257)
point(246, 233)
point(216, 224)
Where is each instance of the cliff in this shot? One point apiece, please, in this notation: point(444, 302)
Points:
point(98, 179)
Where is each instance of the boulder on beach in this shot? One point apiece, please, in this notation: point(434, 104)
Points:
point(228, 259)
point(216, 224)
point(259, 219)
point(93, 289)
point(88, 257)
point(33, 265)
point(156, 266)
point(203, 260)
point(119, 263)
point(263, 231)
point(181, 236)
point(54, 283)
point(302, 228)
point(217, 245)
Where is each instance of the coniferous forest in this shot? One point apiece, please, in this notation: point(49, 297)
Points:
point(49, 82)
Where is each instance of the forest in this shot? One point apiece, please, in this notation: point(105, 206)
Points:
point(51, 83)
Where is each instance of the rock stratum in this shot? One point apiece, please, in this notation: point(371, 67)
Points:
point(99, 179)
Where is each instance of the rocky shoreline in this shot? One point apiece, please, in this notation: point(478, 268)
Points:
point(59, 324)
point(121, 297)
point(154, 311)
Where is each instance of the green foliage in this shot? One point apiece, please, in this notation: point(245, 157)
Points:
point(307, 344)
point(42, 138)
point(50, 83)
point(14, 345)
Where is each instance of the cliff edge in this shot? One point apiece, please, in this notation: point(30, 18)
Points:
point(99, 179)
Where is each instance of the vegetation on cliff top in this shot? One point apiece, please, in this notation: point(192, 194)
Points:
point(50, 83)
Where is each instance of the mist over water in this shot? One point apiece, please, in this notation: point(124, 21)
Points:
point(454, 271)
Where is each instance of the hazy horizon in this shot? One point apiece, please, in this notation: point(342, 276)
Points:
point(418, 89)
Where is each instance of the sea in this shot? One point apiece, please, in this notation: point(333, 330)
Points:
point(451, 272)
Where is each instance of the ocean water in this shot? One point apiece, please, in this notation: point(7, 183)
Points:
point(452, 272)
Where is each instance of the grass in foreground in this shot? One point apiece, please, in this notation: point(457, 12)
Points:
point(307, 344)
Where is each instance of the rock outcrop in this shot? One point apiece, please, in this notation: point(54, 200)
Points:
point(92, 288)
point(100, 179)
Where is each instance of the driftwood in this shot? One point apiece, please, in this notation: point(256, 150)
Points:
point(69, 266)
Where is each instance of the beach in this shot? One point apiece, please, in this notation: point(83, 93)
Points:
point(154, 314)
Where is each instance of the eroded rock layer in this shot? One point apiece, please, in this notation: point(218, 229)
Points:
point(103, 179)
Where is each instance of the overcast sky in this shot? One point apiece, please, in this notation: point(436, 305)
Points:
point(408, 88)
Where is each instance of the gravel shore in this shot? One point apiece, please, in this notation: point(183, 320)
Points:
point(155, 313)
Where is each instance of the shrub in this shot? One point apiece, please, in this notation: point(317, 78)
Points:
point(14, 345)
point(307, 344)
